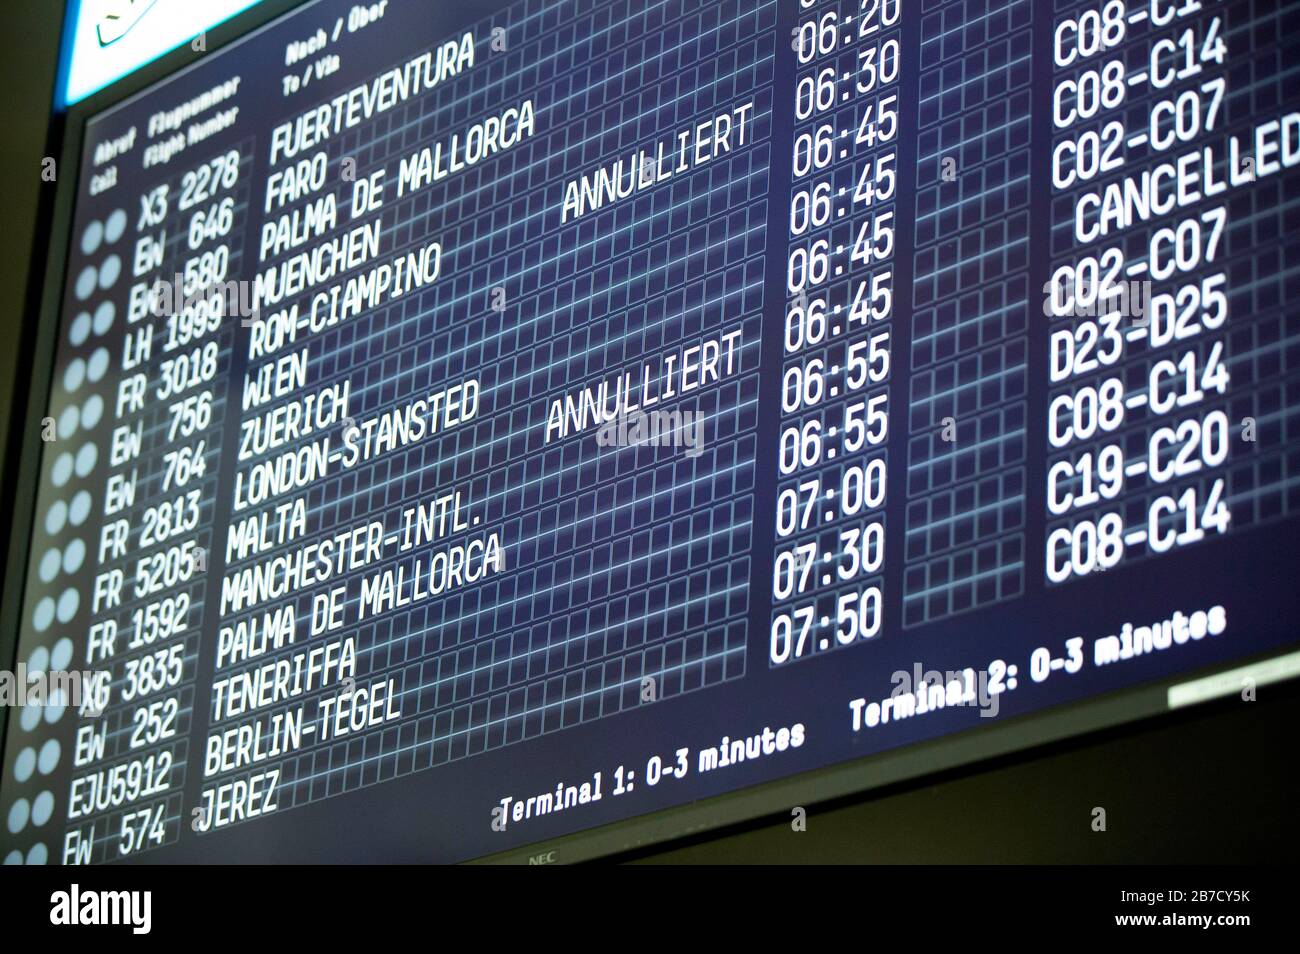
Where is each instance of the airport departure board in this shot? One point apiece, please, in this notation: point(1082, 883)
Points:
point(475, 423)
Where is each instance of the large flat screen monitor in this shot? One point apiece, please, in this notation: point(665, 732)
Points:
point(529, 430)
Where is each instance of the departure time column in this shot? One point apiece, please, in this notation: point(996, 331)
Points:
point(833, 463)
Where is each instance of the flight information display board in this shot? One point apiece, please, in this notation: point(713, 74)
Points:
point(477, 423)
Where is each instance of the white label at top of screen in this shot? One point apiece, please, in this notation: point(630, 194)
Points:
point(111, 39)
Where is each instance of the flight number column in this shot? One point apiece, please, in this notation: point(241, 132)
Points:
point(147, 606)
